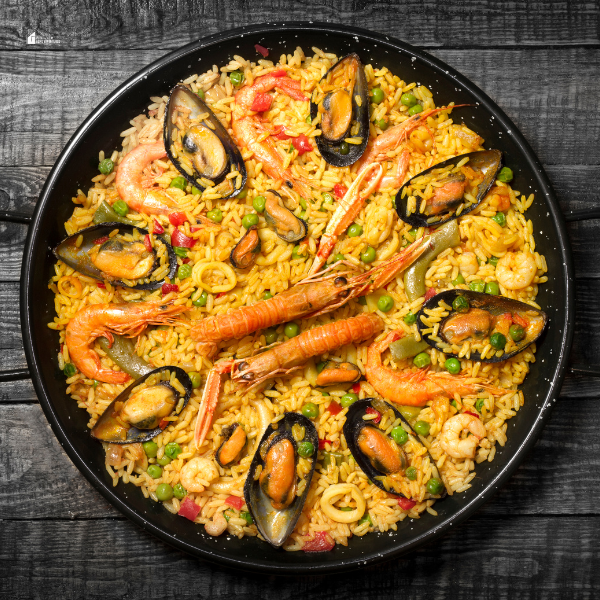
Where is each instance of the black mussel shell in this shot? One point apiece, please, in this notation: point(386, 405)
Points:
point(330, 148)
point(234, 441)
point(109, 429)
point(495, 305)
point(77, 257)
point(277, 525)
point(244, 253)
point(286, 224)
point(488, 162)
point(352, 428)
point(182, 96)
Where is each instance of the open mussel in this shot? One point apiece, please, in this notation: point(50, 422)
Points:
point(244, 253)
point(497, 327)
point(285, 223)
point(137, 413)
point(199, 146)
point(280, 475)
point(382, 459)
point(234, 441)
point(341, 101)
point(334, 373)
point(118, 253)
point(449, 189)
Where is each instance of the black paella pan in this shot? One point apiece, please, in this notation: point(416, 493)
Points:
point(77, 164)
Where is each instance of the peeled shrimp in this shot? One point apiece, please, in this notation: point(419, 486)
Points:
point(197, 474)
point(217, 526)
point(516, 270)
point(468, 264)
point(450, 441)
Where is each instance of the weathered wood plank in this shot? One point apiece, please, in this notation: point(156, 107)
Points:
point(431, 23)
point(535, 88)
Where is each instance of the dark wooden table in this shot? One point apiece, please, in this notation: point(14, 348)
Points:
point(537, 538)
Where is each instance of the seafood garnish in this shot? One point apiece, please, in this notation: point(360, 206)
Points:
point(244, 253)
point(233, 444)
point(286, 225)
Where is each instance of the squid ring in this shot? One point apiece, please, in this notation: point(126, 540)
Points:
point(333, 492)
point(75, 289)
point(229, 273)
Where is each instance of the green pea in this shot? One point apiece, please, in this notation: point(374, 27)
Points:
point(328, 198)
point(348, 399)
point(179, 491)
point(460, 304)
point(267, 295)
point(493, 261)
point(308, 120)
point(106, 166)
point(399, 435)
point(516, 332)
point(173, 450)
point(411, 473)
point(310, 410)
point(354, 230)
point(434, 486)
point(236, 77)
point(505, 175)
point(382, 124)
point(195, 379)
point(249, 220)
point(499, 218)
point(408, 99)
point(215, 215)
point(270, 336)
point(362, 301)
point(201, 300)
point(247, 517)
point(196, 191)
point(377, 95)
point(421, 360)
point(164, 492)
point(344, 148)
point(299, 251)
point(306, 449)
point(325, 394)
point(452, 366)
point(164, 461)
point(321, 366)
point(368, 255)
point(385, 303)
point(259, 203)
point(366, 518)
point(181, 252)
point(479, 404)
point(413, 233)
point(410, 318)
point(154, 471)
point(422, 427)
point(201, 93)
point(178, 182)
point(459, 280)
point(150, 448)
point(498, 341)
point(453, 403)
point(242, 193)
point(491, 287)
point(477, 286)
point(184, 272)
point(69, 370)
point(120, 208)
point(291, 330)
point(338, 257)
point(414, 110)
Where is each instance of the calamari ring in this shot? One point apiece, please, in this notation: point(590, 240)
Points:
point(333, 492)
point(199, 270)
point(68, 291)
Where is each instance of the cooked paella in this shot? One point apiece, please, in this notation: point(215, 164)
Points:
point(298, 301)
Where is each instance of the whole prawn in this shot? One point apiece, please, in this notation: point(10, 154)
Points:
point(311, 297)
point(416, 388)
point(99, 320)
point(281, 360)
point(247, 128)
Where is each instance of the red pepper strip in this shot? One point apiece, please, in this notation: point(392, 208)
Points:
point(372, 411)
point(158, 228)
point(148, 243)
point(406, 504)
point(180, 240)
point(519, 320)
point(356, 387)
point(261, 102)
point(101, 240)
point(322, 444)
point(185, 261)
point(430, 294)
point(163, 423)
point(470, 413)
point(279, 73)
point(339, 190)
point(101, 285)
point(167, 288)
point(220, 295)
point(302, 144)
point(193, 229)
point(189, 509)
point(334, 408)
point(322, 542)
point(280, 134)
point(177, 218)
point(235, 502)
point(261, 50)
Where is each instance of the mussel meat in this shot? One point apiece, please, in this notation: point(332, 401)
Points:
point(449, 189)
point(341, 102)
point(135, 415)
point(334, 373)
point(233, 444)
point(117, 253)
point(279, 478)
point(200, 147)
point(501, 326)
point(382, 459)
point(286, 225)
point(244, 253)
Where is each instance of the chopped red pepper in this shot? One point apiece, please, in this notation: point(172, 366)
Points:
point(185, 261)
point(406, 504)
point(280, 134)
point(101, 240)
point(334, 408)
point(220, 295)
point(261, 50)
point(279, 73)
point(167, 288)
point(177, 218)
point(470, 413)
point(322, 444)
point(261, 102)
point(101, 285)
point(163, 423)
point(189, 509)
point(356, 387)
point(148, 243)
point(372, 411)
point(302, 144)
point(321, 542)
point(158, 228)
point(519, 320)
point(180, 240)
point(339, 190)
point(235, 502)
point(193, 229)
point(430, 294)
